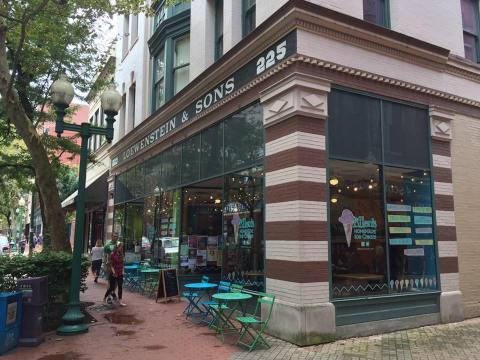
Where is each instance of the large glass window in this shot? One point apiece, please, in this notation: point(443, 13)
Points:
point(171, 167)
point(212, 152)
point(243, 138)
point(380, 194)
point(191, 159)
point(470, 29)
point(377, 12)
point(181, 63)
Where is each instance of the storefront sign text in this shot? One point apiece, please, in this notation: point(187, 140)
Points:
point(268, 58)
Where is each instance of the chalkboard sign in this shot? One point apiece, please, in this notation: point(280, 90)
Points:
point(168, 285)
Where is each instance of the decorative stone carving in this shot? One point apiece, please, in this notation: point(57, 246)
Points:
point(297, 94)
point(441, 123)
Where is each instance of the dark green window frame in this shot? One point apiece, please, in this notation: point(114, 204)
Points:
point(163, 12)
point(385, 20)
point(248, 16)
point(218, 29)
point(163, 41)
point(475, 34)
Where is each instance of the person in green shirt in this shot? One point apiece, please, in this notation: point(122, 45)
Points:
point(107, 250)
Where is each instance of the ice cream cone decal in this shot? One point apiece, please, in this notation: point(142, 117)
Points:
point(347, 220)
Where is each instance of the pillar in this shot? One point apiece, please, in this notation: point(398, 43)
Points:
point(296, 240)
point(451, 302)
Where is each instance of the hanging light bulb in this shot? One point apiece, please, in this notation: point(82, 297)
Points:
point(370, 186)
point(355, 188)
point(334, 200)
point(334, 181)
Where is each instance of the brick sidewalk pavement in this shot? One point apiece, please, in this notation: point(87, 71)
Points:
point(143, 330)
point(460, 341)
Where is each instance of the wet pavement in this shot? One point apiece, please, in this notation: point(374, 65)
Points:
point(143, 330)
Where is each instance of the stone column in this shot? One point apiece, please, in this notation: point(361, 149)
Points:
point(295, 111)
point(451, 302)
point(110, 200)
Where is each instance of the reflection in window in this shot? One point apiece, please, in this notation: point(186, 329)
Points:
point(201, 240)
point(159, 79)
point(357, 230)
point(244, 138)
point(211, 154)
point(410, 230)
point(243, 253)
point(133, 231)
point(181, 63)
point(191, 159)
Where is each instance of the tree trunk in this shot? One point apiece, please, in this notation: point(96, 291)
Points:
point(46, 234)
point(45, 177)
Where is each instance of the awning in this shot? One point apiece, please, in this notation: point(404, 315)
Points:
point(96, 192)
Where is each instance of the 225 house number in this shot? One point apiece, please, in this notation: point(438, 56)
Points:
point(272, 57)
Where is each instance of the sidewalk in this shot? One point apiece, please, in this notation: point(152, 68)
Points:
point(459, 341)
point(143, 330)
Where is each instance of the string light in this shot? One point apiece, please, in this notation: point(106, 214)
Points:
point(333, 181)
point(355, 188)
point(370, 186)
point(334, 200)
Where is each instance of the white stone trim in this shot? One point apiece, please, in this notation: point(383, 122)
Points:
point(293, 250)
point(441, 123)
point(442, 161)
point(295, 173)
point(442, 188)
point(293, 140)
point(110, 215)
point(296, 210)
point(447, 249)
point(298, 293)
point(110, 202)
point(445, 218)
point(450, 282)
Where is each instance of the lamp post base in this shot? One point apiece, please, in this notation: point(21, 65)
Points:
point(72, 322)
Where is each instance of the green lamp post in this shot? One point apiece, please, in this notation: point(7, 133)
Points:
point(111, 100)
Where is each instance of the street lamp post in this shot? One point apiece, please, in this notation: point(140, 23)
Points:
point(111, 100)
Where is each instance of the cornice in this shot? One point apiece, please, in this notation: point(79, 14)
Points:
point(463, 68)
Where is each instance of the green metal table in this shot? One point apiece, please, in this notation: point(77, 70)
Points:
point(224, 313)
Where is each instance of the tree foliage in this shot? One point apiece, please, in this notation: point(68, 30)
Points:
point(39, 39)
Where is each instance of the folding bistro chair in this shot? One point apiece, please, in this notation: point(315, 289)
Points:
point(223, 286)
point(253, 326)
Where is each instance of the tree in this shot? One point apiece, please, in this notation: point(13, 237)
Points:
point(39, 39)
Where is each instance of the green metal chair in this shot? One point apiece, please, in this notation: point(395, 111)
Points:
point(253, 326)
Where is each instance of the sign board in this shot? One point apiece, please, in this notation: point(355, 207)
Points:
point(270, 57)
point(167, 285)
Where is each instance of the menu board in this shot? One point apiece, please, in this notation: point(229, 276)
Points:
point(168, 288)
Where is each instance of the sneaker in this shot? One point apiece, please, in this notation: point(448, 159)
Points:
point(122, 303)
point(96, 280)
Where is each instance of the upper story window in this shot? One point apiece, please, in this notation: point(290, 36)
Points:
point(248, 18)
point(470, 16)
point(126, 34)
point(218, 29)
point(163, 12)
point(171, 69)
point(181, 63)
point(134, 29)
point(377, 12)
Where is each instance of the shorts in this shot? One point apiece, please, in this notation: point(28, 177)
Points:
point(96, 265)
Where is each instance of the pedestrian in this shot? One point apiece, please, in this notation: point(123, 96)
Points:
point(116, 274)
point(97, 255)
point(107, 251)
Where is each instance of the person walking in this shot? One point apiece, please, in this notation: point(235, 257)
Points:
point(107, 251)
point(97, 255)
point(116, 274)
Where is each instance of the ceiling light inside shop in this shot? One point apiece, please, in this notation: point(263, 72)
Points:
point(334, 200)
point(355, 188)
point(218, 201)
point(333, 181)
point(370, 186)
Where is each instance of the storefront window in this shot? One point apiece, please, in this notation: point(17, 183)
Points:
point(357, 229)
point(381, 195)
point(152, 174)
point(191, 159)
point(212, 152)
point(243, 136)
point(201, 241)
point(118, 220)
point(244, 247)
point(171, 167)
point(132, 238)
point(410, 230)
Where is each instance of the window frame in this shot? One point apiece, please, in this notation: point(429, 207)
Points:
point(175, 68)
point(382, 166)
point(218, 48)
point(247, 11)
point(386, 14)
point(476, 36)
